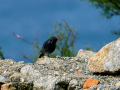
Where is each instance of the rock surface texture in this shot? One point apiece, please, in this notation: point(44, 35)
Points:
point(65, 73)
point(107, 60)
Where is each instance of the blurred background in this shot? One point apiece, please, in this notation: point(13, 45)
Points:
point(24, 17)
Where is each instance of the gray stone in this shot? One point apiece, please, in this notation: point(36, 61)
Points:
point(8, 74)
point(15, 78)
point(26, 70)
point(45, 83)
point(3, 79)
point(72, 85)
point(112, 63)
point(35, 74)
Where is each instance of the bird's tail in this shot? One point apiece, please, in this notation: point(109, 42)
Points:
point(42, 54)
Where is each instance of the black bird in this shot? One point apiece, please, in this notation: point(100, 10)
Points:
point(48, 46)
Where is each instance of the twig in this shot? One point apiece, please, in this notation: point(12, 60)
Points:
point(22, 39)
point(24, 56)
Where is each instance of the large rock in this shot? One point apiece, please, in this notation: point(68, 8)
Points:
point(107, 60)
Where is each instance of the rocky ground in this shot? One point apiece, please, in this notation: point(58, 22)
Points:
point(87, 71)
point(60, 73)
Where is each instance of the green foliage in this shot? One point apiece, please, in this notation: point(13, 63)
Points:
point(109, 7)
point(90, 49)
point(67, 38)
point(1, 54)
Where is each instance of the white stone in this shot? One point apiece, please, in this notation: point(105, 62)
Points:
point(26, 70)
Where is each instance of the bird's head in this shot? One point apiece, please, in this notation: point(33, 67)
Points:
point(54, 39)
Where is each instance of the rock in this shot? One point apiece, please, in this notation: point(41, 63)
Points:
point(78, 73)
point(26, 70)
point(42, 60)
point(118, 83)
point(7, 74)
point(22, 86)
point(72, 85)
point(53, 83)
point(21, 62)
point(45, 83)
point(35, 73)
point(107, 60)
point(54, 64)
point(3, 79)
point(60, 73)
point(90, 82)
point(62, 83)
point(85, 55)
point(7, 86)
point(81, 51)
point(15, 78)
point(6, 62)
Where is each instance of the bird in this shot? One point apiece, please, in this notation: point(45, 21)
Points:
point(48, 46)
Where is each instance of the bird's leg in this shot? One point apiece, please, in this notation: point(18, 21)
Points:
point(42, 54)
